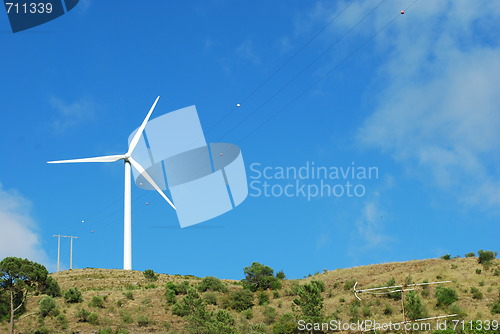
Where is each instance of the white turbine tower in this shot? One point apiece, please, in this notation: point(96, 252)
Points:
point(127, 211)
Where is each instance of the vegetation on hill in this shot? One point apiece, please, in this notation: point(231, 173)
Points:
point(118, 301)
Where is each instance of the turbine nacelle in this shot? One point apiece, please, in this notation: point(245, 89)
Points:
point(129, 161)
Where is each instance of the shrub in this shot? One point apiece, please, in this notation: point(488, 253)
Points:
point(82, 315)
point(260, 277)
point(310, 300)
point(476, 293)
point(73, 295)
point(126, 317)
point(96, 301)
point(495, 308)
point(210, 298)
point(486, 256)
point(92, 318)
point(413, 305)
point(471, 254)
point(394, 295)
point(349, 284)
point(85, 316)
point(41, 330)
point(211, 283)
point(446, 257)
point(143, 321)
point(52, 288)
point(150, 275)
point(286, 324)
point(387, 309)
point(269, 314)
point(129, 295)
point(478, 271)
point(62, 321)
point(445, 296)
point(190, 304)
point(263, 298)
point(280, 275)
point(241, 300)
point(170, 296)
point(47, 306)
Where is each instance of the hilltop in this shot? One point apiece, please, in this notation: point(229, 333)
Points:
point(127, 302)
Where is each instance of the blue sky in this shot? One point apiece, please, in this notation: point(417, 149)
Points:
point(413, 95)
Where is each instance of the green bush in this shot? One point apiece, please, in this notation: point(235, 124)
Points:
point(150, 275)
point(51, 287)
point(241, 300)
point(286, 324)
point(310, 300)
point(260, 277)
point(471, 254)
point(62, 321)
point(129, 295)
point(210, 298)
point(41, 330)
point(446, 257)
point(85, 316)
point(73, 295)
point(96, 301)
point(393, 295)
point(413, 306)
point(269, 314)
point(349, 284)
point(211, 283)
point(92, 318)
point(476, 293)
point(263, 298)
point(486, 256)
point(126, 317)
point(495, 308)
point(387, 310)
point(170, 296)
point(280, 275)
point(189, 305)
point(143, 321)
point(445, 296)
point(47, 306)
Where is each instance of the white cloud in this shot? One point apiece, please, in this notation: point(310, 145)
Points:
point(439, 109)
point(70, 114)
point(246, 50)
point(370, 229)
point(19, 236)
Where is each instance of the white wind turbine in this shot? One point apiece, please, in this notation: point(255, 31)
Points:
point(127, 212)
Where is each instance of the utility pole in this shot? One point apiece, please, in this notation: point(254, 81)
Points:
point(59, 250)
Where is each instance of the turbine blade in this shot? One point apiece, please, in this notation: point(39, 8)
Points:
point(138, 134)
point(106, 158)
point(143, 172)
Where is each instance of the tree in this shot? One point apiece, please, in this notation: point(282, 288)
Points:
point(413, 306)
point(260, 277)
point(150, 275)
point(445, 296)
point(20, 277)
point(311, 301)
point(486, 256)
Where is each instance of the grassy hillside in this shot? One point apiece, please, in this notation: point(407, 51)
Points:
point(126, 302)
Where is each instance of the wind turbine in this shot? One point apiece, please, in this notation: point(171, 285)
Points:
point(128, 162)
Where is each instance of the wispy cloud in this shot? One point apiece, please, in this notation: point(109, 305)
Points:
point(19, 233)
point(246, 51)
point(438, 112)
point(369, 228)
point(71, 113)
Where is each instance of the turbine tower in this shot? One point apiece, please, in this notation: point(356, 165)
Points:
point(127, 205)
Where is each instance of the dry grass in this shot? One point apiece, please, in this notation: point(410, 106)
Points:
point(149, 301)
